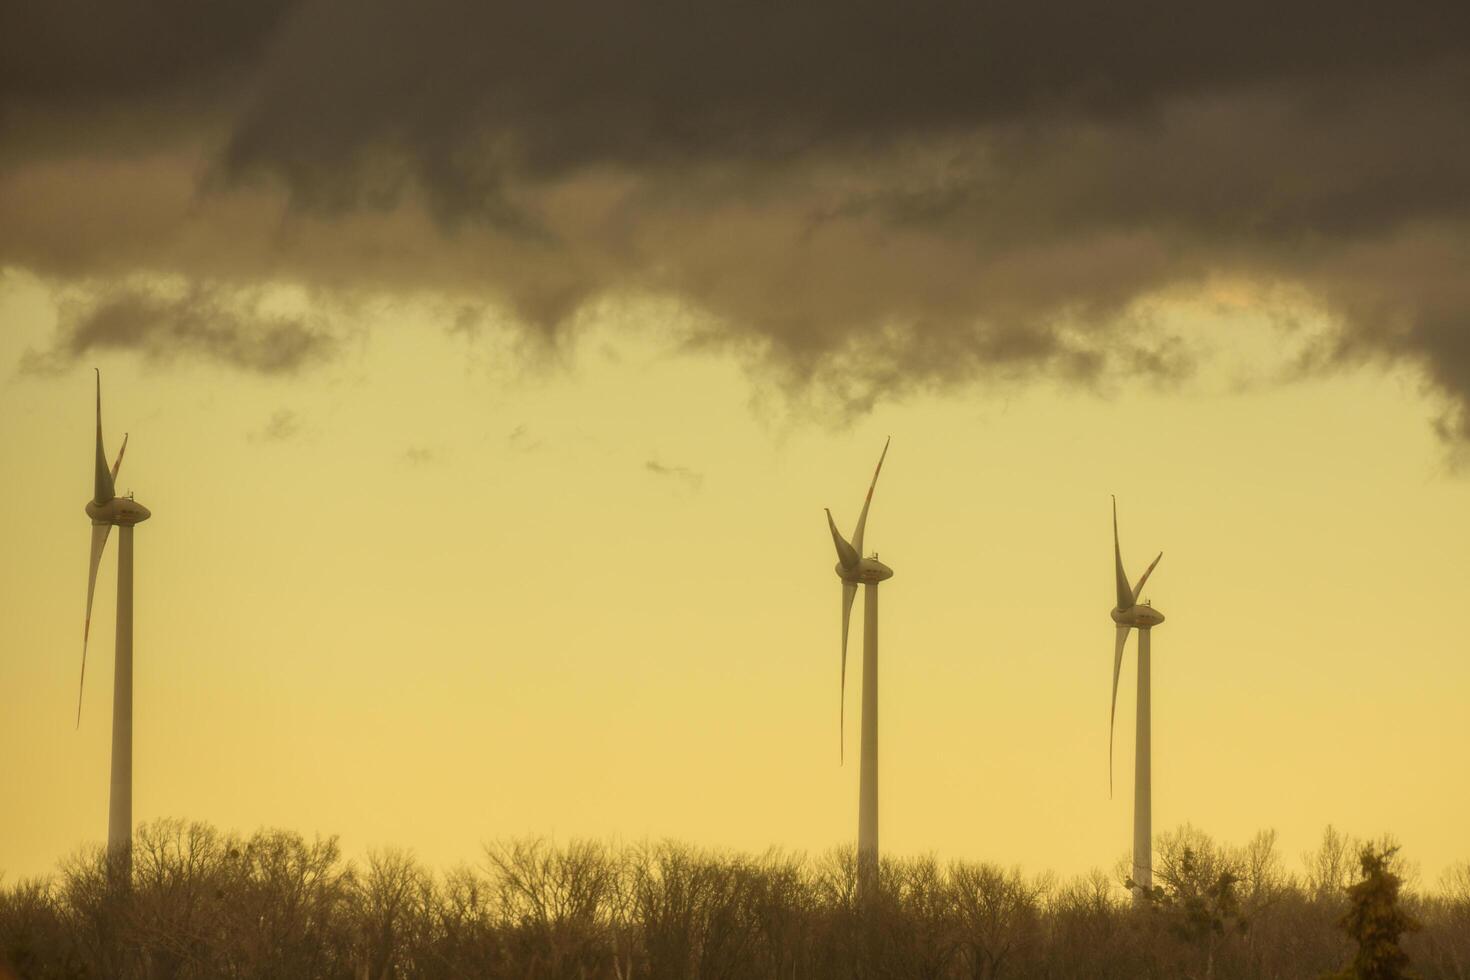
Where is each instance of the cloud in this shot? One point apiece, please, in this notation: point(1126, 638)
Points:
point(199, 320)
point(860, 200)
point(283, 426)
point(691, 479)
point(419, 456)
point(520, 439)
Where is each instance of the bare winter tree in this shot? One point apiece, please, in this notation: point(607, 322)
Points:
point(389, 897)
point(562, 908)
point(998, 915)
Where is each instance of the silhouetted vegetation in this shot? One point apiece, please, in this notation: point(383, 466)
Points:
point(207, 904)
point(1376, 920)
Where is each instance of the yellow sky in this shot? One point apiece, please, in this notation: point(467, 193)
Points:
point(456, 604)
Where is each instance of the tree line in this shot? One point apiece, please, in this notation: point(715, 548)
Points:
point(202, 903)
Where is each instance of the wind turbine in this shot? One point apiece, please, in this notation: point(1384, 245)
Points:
point(854, 569)
point(1130, 614)
point(107, 509)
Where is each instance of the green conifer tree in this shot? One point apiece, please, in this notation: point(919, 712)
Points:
point(1375, 921)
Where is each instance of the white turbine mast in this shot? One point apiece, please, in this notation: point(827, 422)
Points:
point(107, 509)
point(1129, 614)
point(855, 569)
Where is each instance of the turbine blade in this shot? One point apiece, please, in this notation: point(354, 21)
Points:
point(1138, 589)
point(857, 536)
point(849, 589)
point(1125, 594)
point(99, 542)
point(1112, 716)
point(117, 463)
point(102, 490)
point(846, 553)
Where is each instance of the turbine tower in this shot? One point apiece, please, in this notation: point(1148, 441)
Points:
point(107, 509)
point(854, 569)
point(1130, 614)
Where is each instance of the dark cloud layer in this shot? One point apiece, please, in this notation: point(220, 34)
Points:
point(866, 198)
point(464, 93)
point(70, 52)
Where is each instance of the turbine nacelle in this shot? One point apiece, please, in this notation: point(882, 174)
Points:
point(868, 571)
point(121, 511)
point(1141, 616)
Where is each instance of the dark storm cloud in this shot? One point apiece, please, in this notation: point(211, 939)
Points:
point(72, 71)
point(460, 93)
point(863, 198)
point(77, 51)
point(200, 321)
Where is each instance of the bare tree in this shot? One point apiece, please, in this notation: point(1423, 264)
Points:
point(388, 897)
point(1443, 946)
point(560, 907)
point(1086, 930)
point(467, 942)
point(998, 915)
point(1330, 868)
point(917, 928)
point(290, 908)
point(176, 915)
point(33, 937)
